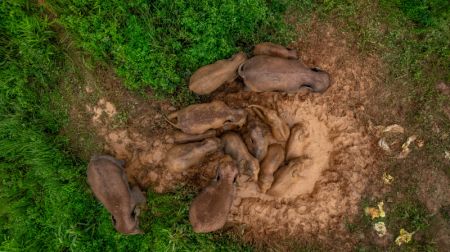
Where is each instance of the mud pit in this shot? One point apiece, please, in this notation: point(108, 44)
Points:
point(326, 184)
point(335, 150)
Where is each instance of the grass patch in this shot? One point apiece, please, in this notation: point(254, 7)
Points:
point(409, 215)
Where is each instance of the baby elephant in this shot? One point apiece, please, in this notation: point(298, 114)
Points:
point(270, 164)
point(257, 137)
point(275, 50)
point(280, 129)
point(180, 137)
point(108, 181)
point(209, 78)
point(199, 118)
point(182, 157)
point(266, 73)
point(209, 210)
point(235, 147)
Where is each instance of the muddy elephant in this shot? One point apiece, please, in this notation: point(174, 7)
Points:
point(279, 128)
point(199, 118)
point(107, 179)
point(236, 148)
point(181, 157)
point(264, 73)
point(209, 210)
point(210, 77)
point(273, 160)
point(257, 137)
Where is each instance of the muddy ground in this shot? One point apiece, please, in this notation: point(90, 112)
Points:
point(344, 163)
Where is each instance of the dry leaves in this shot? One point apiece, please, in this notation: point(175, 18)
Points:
point(388, 132)
point(405, 147)
point(380, 228)
point(394, 128)
point(376, 212)
point(404, 237)
point(387, 178)
point(384, 145)
point(420, 143)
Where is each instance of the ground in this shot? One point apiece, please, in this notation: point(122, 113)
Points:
point(374, 147)
point(346, 163)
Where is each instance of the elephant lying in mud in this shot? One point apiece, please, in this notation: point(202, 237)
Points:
point(275, 50)
point(280, 129)
point(257, 137)
point(209, 210)
point(264, 73)
point(199, 118)
point(181, 157)
point(236, 148)
point(270, 164)
point(108, 181)
point(210, 77)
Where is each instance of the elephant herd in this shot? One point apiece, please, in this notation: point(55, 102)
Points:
point(254, 141)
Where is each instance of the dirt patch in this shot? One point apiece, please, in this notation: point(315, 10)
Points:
point(434, 189)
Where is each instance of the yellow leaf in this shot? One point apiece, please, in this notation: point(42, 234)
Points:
point(404, 237)
point(381, 210)
point(380, 228)
point(394, 128)
point(387, 178)
point(374, 212)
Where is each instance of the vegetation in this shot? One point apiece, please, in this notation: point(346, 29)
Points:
point(44, 201)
